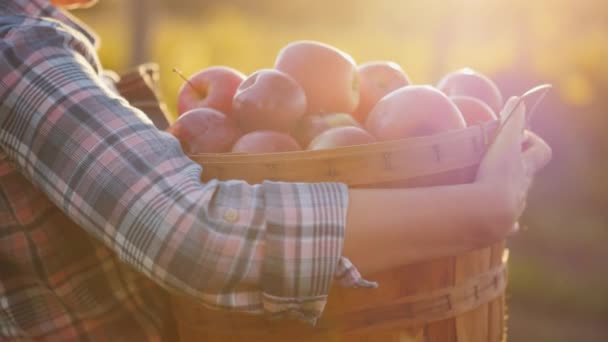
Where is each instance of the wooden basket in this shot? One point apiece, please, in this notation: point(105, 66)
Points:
point(459, 298)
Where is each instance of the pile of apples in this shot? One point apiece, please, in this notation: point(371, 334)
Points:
point(317, 97)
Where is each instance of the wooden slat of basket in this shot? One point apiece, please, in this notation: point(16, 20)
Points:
point(356, 165)
point(443, 330)
point(468, 326)
point(402, 335)
point(434, 305)
point(497, 307)
point(404, 281)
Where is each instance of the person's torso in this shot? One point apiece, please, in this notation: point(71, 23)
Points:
point(56, 282)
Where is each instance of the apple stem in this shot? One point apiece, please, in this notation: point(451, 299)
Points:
point(177, 71)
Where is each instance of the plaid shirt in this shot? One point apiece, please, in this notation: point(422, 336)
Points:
point(101, 213)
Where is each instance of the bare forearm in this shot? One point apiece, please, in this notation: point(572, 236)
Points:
point(390, 227)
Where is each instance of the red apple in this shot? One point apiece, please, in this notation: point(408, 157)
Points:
point(469, 82)
point(265, 142)
point(312, 125)
point(411, 111)
point(473, 110)
point(376, 79)
point(341, 136)
point(328, 75)
point(213, 87)
point(204, 130)
point(268, 99)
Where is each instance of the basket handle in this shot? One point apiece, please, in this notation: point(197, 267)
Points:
point(532, 98)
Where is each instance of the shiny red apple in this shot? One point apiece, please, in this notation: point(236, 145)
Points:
point(412, 111)
point(474, 111)
point(204, 130)
point(312, 125)
point(265, 142)
point(268, 99)
point(213, 87)
point(469, 82)
point(376, 79)
point(341, 136)
point(329, 76)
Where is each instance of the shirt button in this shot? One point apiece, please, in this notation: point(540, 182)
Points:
point(231, 215)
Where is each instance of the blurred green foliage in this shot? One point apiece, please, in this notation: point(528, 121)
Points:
point(558, 280)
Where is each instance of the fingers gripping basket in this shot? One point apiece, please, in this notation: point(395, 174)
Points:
point(458, 298)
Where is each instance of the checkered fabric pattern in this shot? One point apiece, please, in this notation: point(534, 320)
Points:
point(102, 214)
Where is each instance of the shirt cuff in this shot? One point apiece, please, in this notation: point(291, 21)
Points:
point(347, 275)
point(303, 245)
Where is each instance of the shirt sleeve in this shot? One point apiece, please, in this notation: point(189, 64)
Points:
point(270, 248)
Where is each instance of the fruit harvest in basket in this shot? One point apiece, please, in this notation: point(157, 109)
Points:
point(317, 97)
point(318, 116)
point(316, 102)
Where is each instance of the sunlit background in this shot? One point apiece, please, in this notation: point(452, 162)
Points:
point(559, 271)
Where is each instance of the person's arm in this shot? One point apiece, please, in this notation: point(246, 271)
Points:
point(272, 247)
point(391, 227)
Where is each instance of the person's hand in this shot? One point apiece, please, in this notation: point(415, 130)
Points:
point(509, 166)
